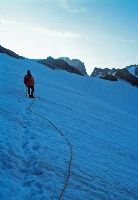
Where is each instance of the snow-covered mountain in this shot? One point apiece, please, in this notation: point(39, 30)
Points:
point(75, 63)
point(58, 64)
point(77, 140)
point(128, 74)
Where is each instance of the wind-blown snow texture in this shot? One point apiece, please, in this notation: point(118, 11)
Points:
point(99, 118)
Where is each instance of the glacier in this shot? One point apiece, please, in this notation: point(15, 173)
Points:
point(78, 140)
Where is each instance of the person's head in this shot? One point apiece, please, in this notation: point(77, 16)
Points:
point(28, 72)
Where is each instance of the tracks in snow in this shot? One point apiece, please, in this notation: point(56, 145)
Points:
point(66, 141)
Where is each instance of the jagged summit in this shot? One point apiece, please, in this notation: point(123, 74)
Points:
point(75, 63)
point(129, 74)
point(98, 72)
point(59, 64)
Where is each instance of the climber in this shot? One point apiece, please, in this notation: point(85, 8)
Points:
point(29, 83)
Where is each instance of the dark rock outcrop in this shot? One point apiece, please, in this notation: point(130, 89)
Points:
point(75, 63)
point(115, 74)
point(124, 74)
point(59, 64)
point(136, 71)
point(49, 62)
point(98, 72)
point(9, 52)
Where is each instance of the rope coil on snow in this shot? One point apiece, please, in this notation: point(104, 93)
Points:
point(67, 142)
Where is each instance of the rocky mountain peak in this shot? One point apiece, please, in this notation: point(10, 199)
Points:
point(128, 74)
point(75, 63)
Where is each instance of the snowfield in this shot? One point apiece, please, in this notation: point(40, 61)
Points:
point(78, 140)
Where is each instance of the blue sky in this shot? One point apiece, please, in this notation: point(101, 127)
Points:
point(101, 33)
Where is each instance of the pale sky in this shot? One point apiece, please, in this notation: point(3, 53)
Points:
point(101, 33)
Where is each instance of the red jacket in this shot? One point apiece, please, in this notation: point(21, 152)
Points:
point(29, 80)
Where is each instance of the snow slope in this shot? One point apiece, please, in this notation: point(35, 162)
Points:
point(78, 140)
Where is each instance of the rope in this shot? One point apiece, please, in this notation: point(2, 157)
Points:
point(67, 142)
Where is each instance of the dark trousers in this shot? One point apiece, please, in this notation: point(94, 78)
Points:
point(31, 91)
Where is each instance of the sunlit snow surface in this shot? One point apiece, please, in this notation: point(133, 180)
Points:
point(99, 118)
